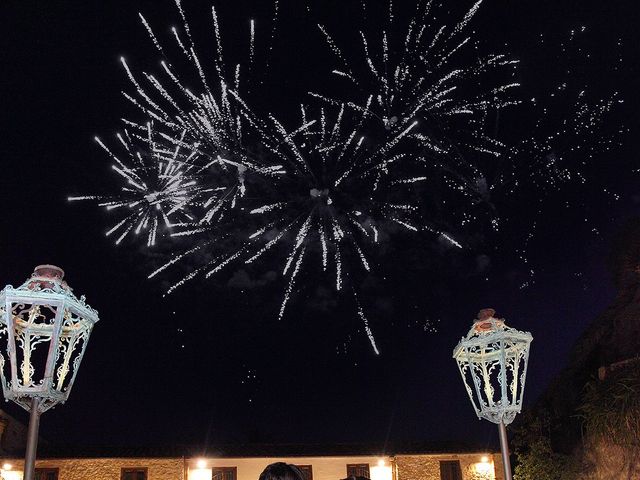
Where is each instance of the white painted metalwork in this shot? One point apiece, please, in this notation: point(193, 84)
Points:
point(492, 360)
point(44, 330)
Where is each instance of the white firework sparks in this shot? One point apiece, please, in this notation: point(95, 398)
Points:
point(432, 75)
point(204, 167)
point(328, 189)
point(329, 204)
point(159, 188)
point(187, 159)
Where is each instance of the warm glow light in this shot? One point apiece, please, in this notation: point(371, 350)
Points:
point(381, 472)
point(485, 468)
point(7, 466)
point(11, 474)
point(202, 463)
point(200, 474)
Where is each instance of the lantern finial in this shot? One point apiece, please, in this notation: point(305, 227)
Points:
point(486, 314)
point(46, 276)
point(487, 321)
point(48, 271)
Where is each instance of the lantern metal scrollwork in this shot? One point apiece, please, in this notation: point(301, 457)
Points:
point(492, 360)
point(44, 331)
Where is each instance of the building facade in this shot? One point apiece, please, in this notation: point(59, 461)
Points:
point(413, 466)
point(333, 462)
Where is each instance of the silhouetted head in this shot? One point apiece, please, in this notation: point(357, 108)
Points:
point(281, 471)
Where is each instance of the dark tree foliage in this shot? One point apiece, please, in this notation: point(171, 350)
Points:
point(611, 408)
point(536, 457)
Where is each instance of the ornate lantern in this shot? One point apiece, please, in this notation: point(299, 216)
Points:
point(492, 360)
point(44, 330)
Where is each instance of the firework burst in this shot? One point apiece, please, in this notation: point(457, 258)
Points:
point(159, 187)
point(326, 189)
point(401, 148)
point(187, 159)
point(336, 195)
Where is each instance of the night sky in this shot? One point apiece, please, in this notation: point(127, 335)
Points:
point(212, 363)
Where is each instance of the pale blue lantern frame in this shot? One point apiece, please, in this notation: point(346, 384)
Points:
point(71, 328)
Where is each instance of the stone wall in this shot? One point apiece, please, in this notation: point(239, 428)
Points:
point(110, 468)
point(427, 467)
point(406, 467)
point(604, 461)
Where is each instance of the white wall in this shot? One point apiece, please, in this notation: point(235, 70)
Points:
point(323, 468)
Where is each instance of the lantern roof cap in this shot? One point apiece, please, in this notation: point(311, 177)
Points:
point(487, 328)
point(47, 276)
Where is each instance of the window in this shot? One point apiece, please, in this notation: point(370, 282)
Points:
point(307, 471)
point(46, 474)
point(450, 470)
point(358, 470)
point(224, 473)
point(133, 474)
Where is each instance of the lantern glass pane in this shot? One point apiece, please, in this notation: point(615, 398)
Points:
point(516, 358)
point(5, 361)
point(70, 348)
point(469, 383)
point(33, 325)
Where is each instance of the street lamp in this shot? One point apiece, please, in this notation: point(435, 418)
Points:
point(492, 359)
point(44, 330)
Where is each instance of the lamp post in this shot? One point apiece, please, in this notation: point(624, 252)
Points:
point(44, 330)
point(492, 360)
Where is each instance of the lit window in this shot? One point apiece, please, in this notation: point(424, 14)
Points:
point(133, 474)
point(307, 471)
point(450, 470)
point(358, 470)
point(224, 473)
point(46, 474)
